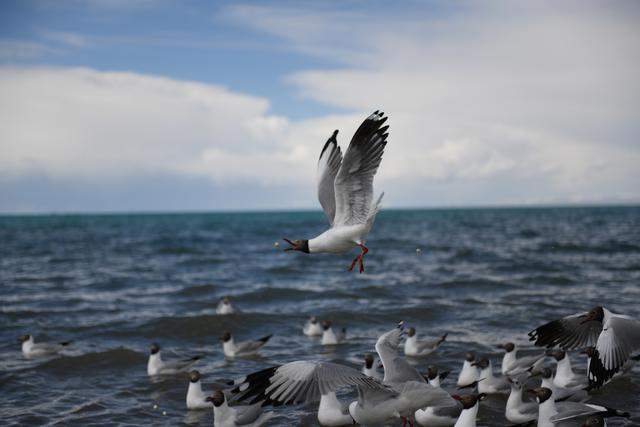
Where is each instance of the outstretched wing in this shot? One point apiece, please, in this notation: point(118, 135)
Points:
point(619, 338)
point(396, 368)
point(354, 181)
point(300, 382)
point(569, 333)
point(328, 165)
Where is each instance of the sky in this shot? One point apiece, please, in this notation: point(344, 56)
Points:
point(167, 105)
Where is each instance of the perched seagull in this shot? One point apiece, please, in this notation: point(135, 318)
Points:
point(402, 391)
point(551, 412)
point(575, 394)
point(490, 384)
point(245, 348)
point(32, 349)
point(470, 404)
point(434, 377)
point(517, 410)
point(225, 306)
point(565, 377)
point(232, 416)
point(345, 191)
point(413, 347)
point(369, 369)
point(438, 416)
point(614, 336)
point(157, 366)
point(514, 365)
point(329, 337)
point(196, 398)
point(312, 328)
point(469, 373)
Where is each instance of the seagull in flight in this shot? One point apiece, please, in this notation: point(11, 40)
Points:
point(614, 336)
point(345, 191)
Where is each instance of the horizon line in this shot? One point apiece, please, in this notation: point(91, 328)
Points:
point(505, 206)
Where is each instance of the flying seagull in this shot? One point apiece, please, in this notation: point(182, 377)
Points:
point(345, 191)
point(614, 337)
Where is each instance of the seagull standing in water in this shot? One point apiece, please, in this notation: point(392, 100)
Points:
point(345, 191)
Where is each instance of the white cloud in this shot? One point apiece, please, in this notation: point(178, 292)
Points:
point(480, 92)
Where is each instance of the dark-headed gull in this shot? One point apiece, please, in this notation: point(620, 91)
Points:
point(245, 348)
point(345, 191)
point(196, 398)
point(225, 306)
point(331, 337)
point(469, 373)
point(490, 383)
point(416, 348)
point(312, 328)
point(32, 349)
point(614, 337)
point(157, 366)
point(235, 416)
point(565, 377)
point(517, 410)
point(514, 365)
point(575, 394)
point(370, 368)
point(470, 404)
point(551, 412)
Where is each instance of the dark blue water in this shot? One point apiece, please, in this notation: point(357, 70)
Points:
point(112, 284)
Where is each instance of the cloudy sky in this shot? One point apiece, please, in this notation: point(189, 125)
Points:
point(140, 105)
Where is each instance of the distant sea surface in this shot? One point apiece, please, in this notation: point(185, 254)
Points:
point(113, 284)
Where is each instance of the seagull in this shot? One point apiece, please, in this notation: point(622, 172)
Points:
point(157, 366)
point(329, 337)
point(305, 381)
point(402, 391)
point(625, 369)
point(565, 377)
point(514, 365)
point(345, 191)
point(413, 347)
point(614, 336)
point(369, 368)
point(232, 416)
point(469, 373)
point(551, 412)
point(470, 404)
point(312, 328)
point(438, 416)
point(490, 384)
point(434, 377)
point(196, 398)
point(225, 306)
point(32, 349)
point(232, 349)
point(575, 394)
point(518, 411)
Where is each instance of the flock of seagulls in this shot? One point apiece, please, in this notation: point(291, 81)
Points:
point(389, 388)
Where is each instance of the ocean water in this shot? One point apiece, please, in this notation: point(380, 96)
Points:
point(113, 284)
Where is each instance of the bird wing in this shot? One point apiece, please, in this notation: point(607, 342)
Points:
point(354, 181)
point(328, 165)
point(619, 338)
point(423, 394)
point(569, 410)
point(301, 381)
point(250, 346)
point(248, 413)
point(396, 369)
point(451, 411)
point(428, 344)
point(370, 397)
point(46, 347)
point(569, 333)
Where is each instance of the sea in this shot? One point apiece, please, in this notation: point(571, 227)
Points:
point(113, 284)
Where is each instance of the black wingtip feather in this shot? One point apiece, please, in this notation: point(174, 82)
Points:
point(266, 338)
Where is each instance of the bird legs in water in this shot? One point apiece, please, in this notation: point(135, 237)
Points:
point(360, 258)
